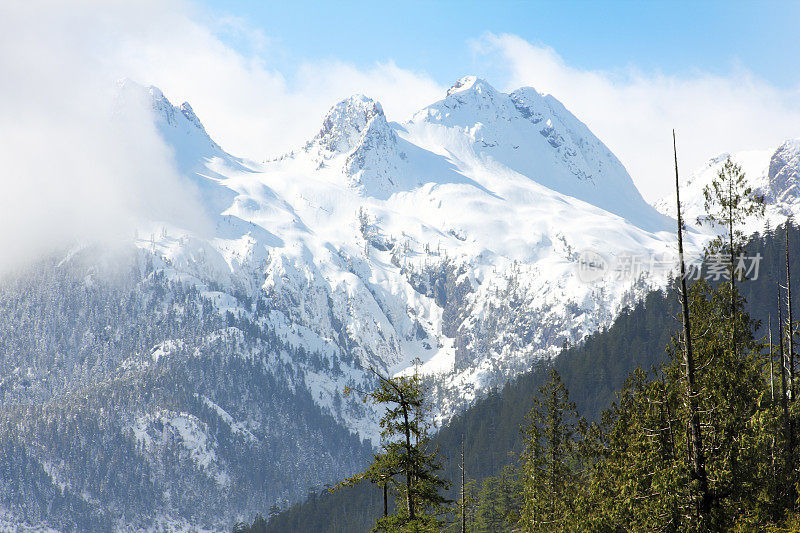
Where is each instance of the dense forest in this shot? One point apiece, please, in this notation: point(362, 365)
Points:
point(106, 419)
point(594, 370)
point(616, 405)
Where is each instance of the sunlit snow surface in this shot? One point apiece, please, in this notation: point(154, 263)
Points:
point(503, 192)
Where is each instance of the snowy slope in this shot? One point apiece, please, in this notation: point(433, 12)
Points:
point(773, 173)
point(395, 242)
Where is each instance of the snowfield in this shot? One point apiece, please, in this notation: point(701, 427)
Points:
point(446, 244)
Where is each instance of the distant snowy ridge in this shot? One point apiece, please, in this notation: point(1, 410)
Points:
point(773, 173)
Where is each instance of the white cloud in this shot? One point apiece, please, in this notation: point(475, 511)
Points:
point(72, 169)
point(250, 108)
point(634, 113)
point(71, 172)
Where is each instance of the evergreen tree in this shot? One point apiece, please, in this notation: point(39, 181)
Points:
point(404, 463)
point(641, 475)
point(729, 202)
point(500, 502)
point(638, 473)
point(550, 459)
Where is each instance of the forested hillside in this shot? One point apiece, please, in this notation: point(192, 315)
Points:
point(127, 399)
point(592, 372)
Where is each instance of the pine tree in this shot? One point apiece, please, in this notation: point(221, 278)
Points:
point(642, 475)
point(500, 502)
point(404, 464)
point(730, 392)
point(550, 459)
point(729, 202)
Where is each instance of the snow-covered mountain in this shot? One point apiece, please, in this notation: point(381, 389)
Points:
point(773, 173)
point(419, 240)
point(456, 243)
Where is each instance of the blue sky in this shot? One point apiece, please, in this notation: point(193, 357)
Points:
point(262, 75)
point(726, 75)
point(673, 38)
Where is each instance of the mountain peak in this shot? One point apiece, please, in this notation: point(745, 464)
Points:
point(165, 112)
point(346, 122)
point(535, 136)
point(471, 83)
point(472, 98)
point(190, 115)
point(129, 91)
point(156, 93)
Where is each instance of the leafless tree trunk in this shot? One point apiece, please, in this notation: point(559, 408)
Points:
point(697, 454)
point(463, 490)
point(790, 347)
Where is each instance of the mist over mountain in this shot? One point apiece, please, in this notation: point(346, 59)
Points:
point(192, 373)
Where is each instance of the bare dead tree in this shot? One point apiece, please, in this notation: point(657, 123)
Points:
point(698, 466)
